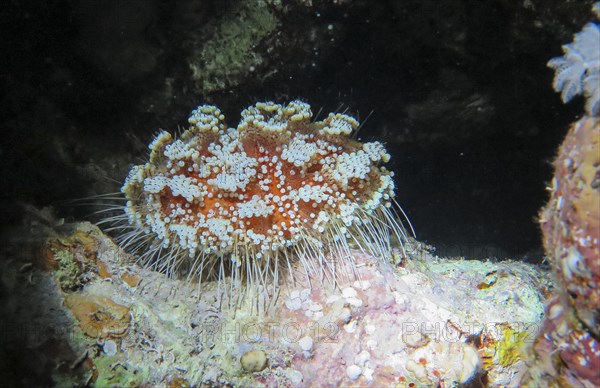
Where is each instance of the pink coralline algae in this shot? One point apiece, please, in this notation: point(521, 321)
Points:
point(571, 220)
point(570, 224)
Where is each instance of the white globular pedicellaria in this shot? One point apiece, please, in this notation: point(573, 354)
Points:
point(278, 185)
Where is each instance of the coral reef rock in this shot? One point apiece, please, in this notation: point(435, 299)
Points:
point(570, 223)
point(427, 321)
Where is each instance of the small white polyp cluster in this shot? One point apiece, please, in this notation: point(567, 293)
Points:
point(339, 123)
point(299, 152)
point(276, 180)
point(207, 118)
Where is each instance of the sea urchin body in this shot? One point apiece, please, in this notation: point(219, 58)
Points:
point(242, 203)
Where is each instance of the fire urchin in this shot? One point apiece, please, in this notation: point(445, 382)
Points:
point(243, 203)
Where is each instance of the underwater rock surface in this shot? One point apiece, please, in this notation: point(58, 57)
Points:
point(570, 224)
point(426, 320)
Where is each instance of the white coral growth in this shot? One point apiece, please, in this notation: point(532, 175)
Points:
point(578, 71)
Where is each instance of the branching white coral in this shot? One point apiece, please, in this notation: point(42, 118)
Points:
point(578, 71)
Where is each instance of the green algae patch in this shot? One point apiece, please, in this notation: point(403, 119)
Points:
point(112, 373)
point(68, 271)
point(227, 56)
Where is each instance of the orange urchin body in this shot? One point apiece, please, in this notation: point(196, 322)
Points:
point(277, 186)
